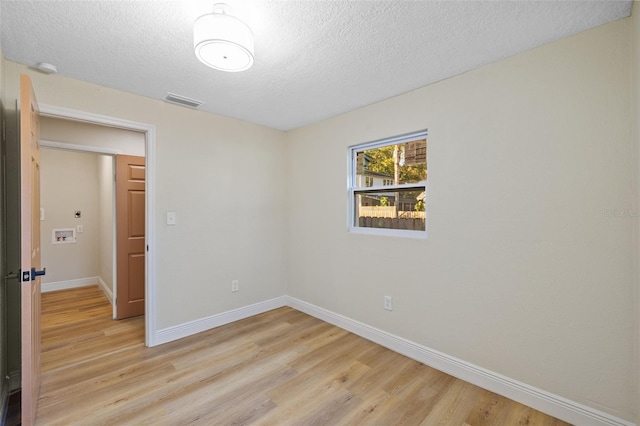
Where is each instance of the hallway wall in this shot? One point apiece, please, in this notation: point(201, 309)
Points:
point(106, 196)
point(87, 134)
point(69, 182)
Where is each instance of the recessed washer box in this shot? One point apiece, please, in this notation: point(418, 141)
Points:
point(63, 236)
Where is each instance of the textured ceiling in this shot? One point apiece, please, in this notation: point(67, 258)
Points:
point(314, 59)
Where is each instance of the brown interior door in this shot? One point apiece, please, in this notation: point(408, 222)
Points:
point(29, 248)
point(130, 241)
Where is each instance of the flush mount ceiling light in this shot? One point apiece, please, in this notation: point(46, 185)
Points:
point(222, 41)
point(47, 68)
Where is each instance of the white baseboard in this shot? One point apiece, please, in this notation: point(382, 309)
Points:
point(64, 285)
point(538, 399)
point(106, 290)
point(197, 326)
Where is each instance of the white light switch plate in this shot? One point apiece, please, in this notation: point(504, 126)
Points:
point(171, 218)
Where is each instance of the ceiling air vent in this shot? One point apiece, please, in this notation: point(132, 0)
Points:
point(182, 100)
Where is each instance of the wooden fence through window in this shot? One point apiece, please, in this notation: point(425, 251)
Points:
point(388, 212)
point(414, 224)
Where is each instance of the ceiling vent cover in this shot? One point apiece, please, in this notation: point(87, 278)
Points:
point(182, 100)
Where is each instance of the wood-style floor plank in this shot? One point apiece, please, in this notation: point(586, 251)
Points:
point(282, 367)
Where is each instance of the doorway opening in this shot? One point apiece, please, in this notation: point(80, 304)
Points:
point(148, 131)
point(82, 206)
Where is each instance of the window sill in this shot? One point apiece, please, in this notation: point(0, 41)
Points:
point(400, 233)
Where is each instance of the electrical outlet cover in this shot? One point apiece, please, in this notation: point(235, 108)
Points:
point(388, 303)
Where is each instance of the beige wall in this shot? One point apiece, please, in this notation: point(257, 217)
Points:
point(69, 182)
point(635, 120)
point(225, 180)
point(106, 193)
point(522, 273)
point(78, 133)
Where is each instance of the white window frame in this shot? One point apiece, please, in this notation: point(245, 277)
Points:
point(352, 188)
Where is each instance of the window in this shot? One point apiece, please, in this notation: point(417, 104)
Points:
point(392, 200)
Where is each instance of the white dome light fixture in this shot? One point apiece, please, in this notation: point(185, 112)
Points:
point(47, 68)
point(222, 41)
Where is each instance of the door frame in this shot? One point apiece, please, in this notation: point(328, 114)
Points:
point(149, 131)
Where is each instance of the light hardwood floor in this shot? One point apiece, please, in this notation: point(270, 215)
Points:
point(278, 368)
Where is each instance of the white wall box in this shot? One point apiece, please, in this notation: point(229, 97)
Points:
point(63, 236)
